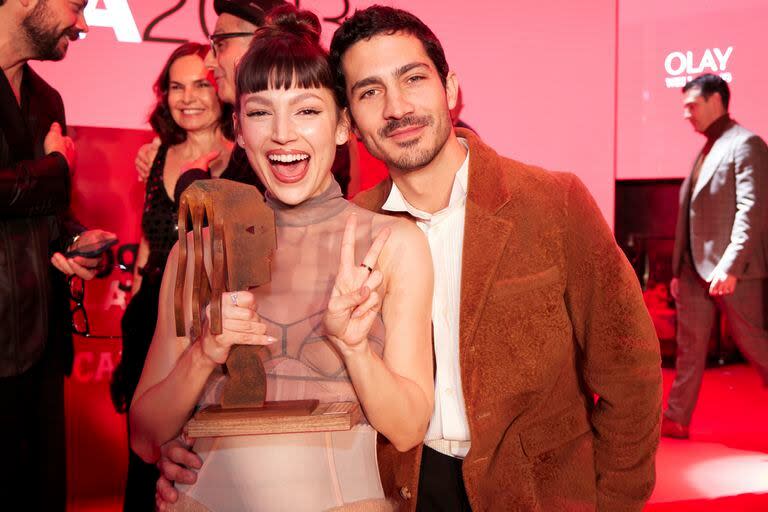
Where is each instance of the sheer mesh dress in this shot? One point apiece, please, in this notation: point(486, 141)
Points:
point(309, 471)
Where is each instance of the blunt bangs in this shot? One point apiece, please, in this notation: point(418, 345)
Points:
point(282, 63)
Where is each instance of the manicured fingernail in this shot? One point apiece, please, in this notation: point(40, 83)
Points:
point(271, 339)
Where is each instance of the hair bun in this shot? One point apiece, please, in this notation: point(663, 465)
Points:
point(288, 19)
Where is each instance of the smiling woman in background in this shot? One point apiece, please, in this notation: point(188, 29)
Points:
point(191, 124)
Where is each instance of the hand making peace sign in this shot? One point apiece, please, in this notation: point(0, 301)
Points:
point(355, 300)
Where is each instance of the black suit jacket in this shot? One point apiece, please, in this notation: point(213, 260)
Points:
point(34, 223)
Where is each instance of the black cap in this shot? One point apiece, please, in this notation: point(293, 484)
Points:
point(249, 10)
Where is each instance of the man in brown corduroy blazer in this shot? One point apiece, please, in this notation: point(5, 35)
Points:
point(559, 361)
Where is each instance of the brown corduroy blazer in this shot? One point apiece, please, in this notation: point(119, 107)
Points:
point(551, 315)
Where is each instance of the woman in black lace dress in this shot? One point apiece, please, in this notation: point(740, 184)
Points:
point(191, 124)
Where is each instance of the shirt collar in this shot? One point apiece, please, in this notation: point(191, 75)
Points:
point(396, 202)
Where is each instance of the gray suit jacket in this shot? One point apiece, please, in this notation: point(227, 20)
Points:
point(725, 215)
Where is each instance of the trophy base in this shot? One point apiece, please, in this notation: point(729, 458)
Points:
point(284, 417)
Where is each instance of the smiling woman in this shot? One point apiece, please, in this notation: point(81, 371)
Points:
point(345, 318)
point(186, 97)
point(285, 134)
point(190, 122)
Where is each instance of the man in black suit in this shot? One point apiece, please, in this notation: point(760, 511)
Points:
point(36, 159)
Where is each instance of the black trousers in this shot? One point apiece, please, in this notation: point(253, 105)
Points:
point(138, 325)
point(140, 485)
point(441, 484)
point(33, 474)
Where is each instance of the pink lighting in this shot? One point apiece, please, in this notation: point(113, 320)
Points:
point(590, 87)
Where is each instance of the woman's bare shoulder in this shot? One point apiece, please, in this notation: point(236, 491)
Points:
point(401, 228)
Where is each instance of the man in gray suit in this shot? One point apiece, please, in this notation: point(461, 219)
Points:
point(721, 247)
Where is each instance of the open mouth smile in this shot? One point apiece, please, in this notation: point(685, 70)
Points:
point(288, 167)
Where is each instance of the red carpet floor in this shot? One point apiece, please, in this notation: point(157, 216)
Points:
point(723, 467)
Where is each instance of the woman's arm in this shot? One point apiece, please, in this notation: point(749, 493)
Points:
point(396, 391)
point(163, 400)
point(176, 371)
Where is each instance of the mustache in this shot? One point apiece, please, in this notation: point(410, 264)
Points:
point(72, 34)
point(396, 124)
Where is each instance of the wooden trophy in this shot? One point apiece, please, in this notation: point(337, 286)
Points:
point(242, 242)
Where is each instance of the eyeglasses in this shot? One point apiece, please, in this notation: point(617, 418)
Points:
point(80, 325)
point(217, 40)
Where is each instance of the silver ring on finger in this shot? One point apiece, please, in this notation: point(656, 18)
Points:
point(366, 267)
point(233, 297)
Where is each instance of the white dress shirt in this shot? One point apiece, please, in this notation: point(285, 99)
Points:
point(448, 430)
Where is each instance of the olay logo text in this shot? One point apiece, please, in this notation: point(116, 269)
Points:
point(682, 67)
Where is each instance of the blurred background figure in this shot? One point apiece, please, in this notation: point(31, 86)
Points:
point(719, 260)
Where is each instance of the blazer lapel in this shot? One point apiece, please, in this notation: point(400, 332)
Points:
point(710, 164)
point(485, 235)
point(14, 126)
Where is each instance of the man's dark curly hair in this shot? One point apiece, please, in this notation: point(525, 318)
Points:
point(161, 119)
point(375, 20)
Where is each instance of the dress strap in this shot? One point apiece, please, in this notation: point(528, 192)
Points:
point(158, 164)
